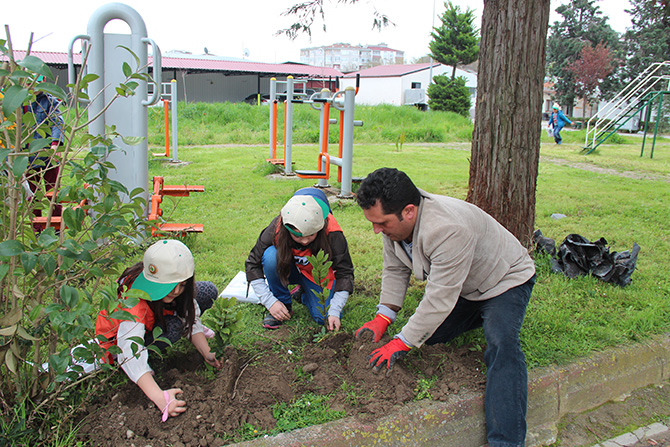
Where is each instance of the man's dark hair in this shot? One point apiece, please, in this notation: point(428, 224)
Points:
point(392, 188)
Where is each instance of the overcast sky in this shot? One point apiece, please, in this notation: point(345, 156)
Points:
point(228, 28)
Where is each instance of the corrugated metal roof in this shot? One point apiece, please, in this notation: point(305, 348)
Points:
point(249, 67)
point(381, 71)
point(209, 64)
point(49, 57)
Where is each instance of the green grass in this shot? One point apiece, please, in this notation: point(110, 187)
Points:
point(566, 318)
point(225, 147)
point(227, 123)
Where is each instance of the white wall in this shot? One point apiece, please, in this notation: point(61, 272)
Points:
point(391, 90)
point(374, 91)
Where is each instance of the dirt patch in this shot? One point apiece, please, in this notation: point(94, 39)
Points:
point(242, 395)
point(609, 171)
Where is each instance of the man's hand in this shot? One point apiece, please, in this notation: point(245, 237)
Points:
point(388, 354)
point(377, 326)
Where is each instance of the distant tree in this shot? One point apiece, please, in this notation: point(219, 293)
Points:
point(583, 23)
point(593, 65)
point(449, 95)
point(457, 40)
point(648, 39)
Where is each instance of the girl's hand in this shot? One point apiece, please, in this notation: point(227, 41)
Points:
point(279, 311)
point(211, 359)
point(333, 323)
point(173, 406)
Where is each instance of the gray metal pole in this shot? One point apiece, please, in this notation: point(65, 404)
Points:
point(273, 116)
point(348, 142)
point(288, 161)
point(129, 115)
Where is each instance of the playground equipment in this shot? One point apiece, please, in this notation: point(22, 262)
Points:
point(344, 101)
point(292, 96)
point(40, 222)
point(169, 90)
point(160, 190)
point(635, 102)
point(107, 53)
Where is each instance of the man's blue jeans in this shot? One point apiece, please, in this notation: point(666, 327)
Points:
point(506, 374)
point(281, 292)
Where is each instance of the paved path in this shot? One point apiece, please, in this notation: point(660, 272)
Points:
point(652, 435)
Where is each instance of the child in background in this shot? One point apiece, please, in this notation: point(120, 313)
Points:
point(304, 227)
point(166, 275)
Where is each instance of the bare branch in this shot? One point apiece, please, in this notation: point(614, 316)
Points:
point(307, 11)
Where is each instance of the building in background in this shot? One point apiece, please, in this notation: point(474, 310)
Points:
point(209, 78)
point(347, 58)
point(404, 84)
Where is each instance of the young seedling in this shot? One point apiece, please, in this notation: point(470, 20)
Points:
point(320, 267)
point(225, 320)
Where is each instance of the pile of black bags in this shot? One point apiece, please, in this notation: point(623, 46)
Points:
point(577, 256)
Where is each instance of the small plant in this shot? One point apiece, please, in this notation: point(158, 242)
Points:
point(225, 320)
point(349, 391)
point(399, 142)
point(309, 409)
point(320, 267)
point(423, 387)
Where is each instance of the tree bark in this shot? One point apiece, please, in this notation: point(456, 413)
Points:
point(506, 138)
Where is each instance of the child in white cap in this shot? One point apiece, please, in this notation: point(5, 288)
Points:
point(304, 227)
point(557, 121)
point(166, 275)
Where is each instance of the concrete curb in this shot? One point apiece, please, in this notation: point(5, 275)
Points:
point(638, 435)
point(553, 393)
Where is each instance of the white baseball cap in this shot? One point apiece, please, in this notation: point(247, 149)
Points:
point(304, 215)
point(166, 264)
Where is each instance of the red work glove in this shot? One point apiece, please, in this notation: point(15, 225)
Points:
point(377, 326)
point(389, 353)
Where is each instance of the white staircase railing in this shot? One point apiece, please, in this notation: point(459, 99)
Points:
point(627, 99)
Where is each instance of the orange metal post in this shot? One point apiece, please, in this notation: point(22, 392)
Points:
point(339, 153)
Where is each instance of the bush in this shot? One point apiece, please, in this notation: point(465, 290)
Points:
point(449, 95)
point(53, 279)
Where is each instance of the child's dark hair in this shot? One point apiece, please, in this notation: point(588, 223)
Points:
point(182, 305)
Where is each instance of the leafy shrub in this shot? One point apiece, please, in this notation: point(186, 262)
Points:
point(449, 95)
point(52, 280)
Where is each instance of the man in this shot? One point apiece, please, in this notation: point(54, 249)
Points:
point(477, 275)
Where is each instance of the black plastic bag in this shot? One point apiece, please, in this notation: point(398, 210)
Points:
point(577, 256)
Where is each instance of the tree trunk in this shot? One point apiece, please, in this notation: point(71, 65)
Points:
point(506, 139)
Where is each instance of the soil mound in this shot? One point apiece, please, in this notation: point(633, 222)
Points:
point(241, 396)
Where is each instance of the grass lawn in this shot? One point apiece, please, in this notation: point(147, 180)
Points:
point(612, 193)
